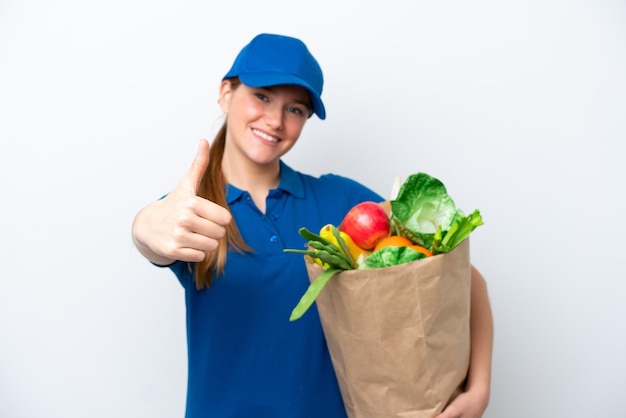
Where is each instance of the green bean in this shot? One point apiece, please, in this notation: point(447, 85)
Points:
point(325, 257)
point(332, 260)
point(311, 293)
point(344, 248)
point(331, 249)
point(310, 236)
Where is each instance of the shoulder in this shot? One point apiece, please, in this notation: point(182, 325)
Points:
point(339, 187)
point(345, 183)
point(325, 191)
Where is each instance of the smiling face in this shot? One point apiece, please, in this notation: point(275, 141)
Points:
point(263, 123)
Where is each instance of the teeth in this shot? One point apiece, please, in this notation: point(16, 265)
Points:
point(264, 136)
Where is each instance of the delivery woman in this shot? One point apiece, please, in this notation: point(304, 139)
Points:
point(222, 231)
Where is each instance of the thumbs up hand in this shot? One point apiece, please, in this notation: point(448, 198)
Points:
point(181, 226)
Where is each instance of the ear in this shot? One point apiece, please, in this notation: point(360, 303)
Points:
point(226, 93)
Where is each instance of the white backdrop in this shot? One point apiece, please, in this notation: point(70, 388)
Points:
point(519, 107)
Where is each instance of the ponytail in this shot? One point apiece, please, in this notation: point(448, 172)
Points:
point(213, 188)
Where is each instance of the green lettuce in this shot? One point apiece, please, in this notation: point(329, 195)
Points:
point(390, 256)
point(425, 213)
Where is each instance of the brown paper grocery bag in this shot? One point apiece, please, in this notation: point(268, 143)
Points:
point(399, 336)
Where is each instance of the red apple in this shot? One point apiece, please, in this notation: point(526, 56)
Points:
point(366, 223)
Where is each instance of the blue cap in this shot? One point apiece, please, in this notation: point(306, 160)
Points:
point(271, 60)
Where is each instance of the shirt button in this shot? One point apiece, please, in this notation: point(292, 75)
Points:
point(274, 217)
point(273, 239)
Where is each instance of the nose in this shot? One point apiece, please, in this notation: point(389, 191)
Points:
point(274, 117)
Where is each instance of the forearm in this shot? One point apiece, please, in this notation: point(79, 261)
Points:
point(481, 326)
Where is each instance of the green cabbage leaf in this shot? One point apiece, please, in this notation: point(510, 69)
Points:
point(390, 256)
point(425, 213)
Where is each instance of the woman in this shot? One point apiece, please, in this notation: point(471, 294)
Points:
point(223, 229)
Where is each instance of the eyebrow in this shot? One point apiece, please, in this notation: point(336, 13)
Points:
point(306, 103)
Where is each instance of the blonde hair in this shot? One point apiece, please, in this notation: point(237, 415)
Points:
point(213, 188)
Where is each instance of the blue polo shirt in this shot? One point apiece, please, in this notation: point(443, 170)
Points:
point(245, 359)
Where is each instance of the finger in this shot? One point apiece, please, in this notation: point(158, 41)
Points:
point(203, 227)
point(213, 212)
point(193, 178)
point(193, 246)
point(201, 243)
point(446, 413)
point(190, 255)
point(450, 412)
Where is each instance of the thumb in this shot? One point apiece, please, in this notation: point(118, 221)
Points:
point(193, 178)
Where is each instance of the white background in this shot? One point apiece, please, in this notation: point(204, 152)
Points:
point(519, 107)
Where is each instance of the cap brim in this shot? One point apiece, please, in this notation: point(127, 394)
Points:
point(275, 79)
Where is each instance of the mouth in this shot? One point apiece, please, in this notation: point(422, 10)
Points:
point(265, 136)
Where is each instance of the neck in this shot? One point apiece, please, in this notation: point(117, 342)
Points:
point(256, 179)
point(249, 177)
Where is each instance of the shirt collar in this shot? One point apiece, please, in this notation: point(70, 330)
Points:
point(290, 182)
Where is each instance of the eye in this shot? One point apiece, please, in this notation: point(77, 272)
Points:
point(295, 110)
point(261, 97)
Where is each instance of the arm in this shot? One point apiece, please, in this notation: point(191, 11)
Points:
point(473, 402)
point(181, 226)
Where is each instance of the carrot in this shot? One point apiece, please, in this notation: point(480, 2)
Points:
point(421, 249)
